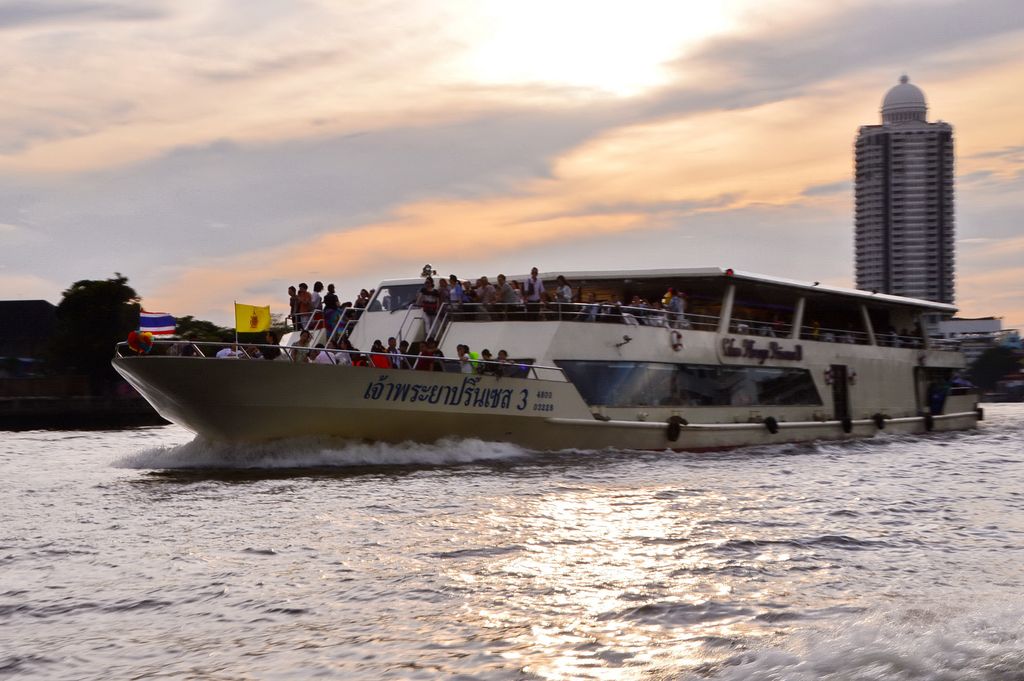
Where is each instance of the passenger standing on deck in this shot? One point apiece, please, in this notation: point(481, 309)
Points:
point(563, 297)
point(456, 296)
point(533, 293)
point(444, 295)
point(332, 314)
point(362, 300)
point(505, 295)
point(517, 290)
point(429, 300)
point(486, 296)
point(393, 353)
point(591, 310)
point(305, 305)
point(467, 365)
point(293, 307)
point(317, 295)
point(676, 308)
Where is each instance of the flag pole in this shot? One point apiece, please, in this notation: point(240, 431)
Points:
point(236, 322)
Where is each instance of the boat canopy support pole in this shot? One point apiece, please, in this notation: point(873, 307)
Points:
point(798, 318)
point(866, 318)
point(725, 319)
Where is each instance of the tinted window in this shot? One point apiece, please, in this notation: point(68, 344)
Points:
point(391, 298)
point(641, 384)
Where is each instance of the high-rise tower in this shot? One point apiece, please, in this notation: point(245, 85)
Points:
point(904, 200)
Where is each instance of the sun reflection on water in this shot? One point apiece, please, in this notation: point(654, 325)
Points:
point(609, 584)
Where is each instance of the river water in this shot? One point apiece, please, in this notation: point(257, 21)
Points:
point(146, 554)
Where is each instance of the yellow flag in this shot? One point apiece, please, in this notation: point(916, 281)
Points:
point(249, 318)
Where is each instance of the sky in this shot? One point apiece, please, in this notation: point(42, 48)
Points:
point(215, 151)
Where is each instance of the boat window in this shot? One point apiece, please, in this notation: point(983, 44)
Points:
point(643, 384)
point(833, 319)
point(763, 310)
point(396, 297)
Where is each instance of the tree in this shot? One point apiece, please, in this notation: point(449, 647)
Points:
point(200, 330)
point(992, 365)
point(92, 317)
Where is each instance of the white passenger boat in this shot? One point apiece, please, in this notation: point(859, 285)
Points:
point(753, 360)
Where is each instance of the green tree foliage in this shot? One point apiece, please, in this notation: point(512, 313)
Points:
point(92, 317)
point(199, 330)
point(992, 365)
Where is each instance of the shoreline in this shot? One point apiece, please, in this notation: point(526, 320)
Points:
point(76, 413)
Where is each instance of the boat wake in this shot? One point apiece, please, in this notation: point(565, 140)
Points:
point(915, 644)
point(316, 452)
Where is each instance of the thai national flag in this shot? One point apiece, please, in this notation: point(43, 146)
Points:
point(157, 323)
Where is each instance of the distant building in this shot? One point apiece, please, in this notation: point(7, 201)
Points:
point(974, 336)
point(904, 201)
point(26, 329)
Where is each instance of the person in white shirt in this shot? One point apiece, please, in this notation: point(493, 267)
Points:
point(533, 288)
point(322, 356)
point(229, 352)
point(533, 293)
point(318, 301)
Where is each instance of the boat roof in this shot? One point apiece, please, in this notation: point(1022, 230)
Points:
point(713, 272)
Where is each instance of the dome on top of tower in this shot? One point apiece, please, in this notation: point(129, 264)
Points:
point(905, 102)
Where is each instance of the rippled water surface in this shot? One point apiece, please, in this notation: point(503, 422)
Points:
point(145, 554)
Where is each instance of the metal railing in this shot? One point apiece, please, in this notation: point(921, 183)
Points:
point(604, 313)
point(757, 327)
point(209, 350)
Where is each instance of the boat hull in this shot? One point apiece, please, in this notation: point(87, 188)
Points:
point(250, 401)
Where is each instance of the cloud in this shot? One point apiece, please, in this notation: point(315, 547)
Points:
point(261, 68)
point(289, 192)
point(19, 14)
point(800, 52)
point(229, 156)
point(1014, 152)
point(842, 186)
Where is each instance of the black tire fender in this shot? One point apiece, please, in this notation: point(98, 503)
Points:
point(879, 420)
point(675, 427)
point(847, 424)
point(981, 413)
point(929, 422)
point(772, 424)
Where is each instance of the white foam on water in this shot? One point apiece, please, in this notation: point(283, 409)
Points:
point(911, 645)
point(317, 452)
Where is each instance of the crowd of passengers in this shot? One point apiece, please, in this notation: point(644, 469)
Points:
point(532, 299)
point(420, 356)
point(307, 307)
point(484, 300)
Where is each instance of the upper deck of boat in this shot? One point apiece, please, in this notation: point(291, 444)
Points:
point(702, 278)
point(716, 300)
